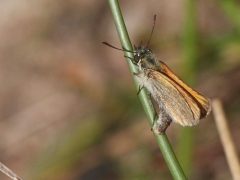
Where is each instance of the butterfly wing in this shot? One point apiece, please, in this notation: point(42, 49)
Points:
point(203, 103)
point(178, 104)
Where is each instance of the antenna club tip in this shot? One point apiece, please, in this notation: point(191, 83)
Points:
point(106, 43)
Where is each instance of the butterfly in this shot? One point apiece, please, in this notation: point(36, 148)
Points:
point(177, 101)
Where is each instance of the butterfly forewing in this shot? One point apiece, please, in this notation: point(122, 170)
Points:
point(169, 97)
point(202, 102)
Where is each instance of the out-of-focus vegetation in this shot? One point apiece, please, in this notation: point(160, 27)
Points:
point(69, 108)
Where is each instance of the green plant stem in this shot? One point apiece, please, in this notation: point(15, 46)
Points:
point(162, 140)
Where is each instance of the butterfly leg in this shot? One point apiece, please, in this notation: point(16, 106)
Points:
point(154, 119)
point(131, 59)
point(141, 86)
point(139, 89)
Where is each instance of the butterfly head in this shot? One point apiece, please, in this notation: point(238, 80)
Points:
point(144, 58)
point(141, 52)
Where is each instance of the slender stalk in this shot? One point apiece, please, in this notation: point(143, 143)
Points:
point(8, 172)
point(162, 140)
point(226, 138)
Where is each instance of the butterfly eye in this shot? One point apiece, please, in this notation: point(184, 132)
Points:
point(136, 58)
point(149, 51)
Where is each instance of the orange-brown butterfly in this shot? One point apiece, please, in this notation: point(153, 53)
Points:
point(177, 101)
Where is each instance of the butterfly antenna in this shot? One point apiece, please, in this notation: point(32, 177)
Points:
point(107, 44)
point(154, 22)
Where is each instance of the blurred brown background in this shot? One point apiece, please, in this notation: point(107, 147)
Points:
point(68, 105)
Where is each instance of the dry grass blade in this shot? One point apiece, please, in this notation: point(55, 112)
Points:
point(226, 139)
point(8, 172)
